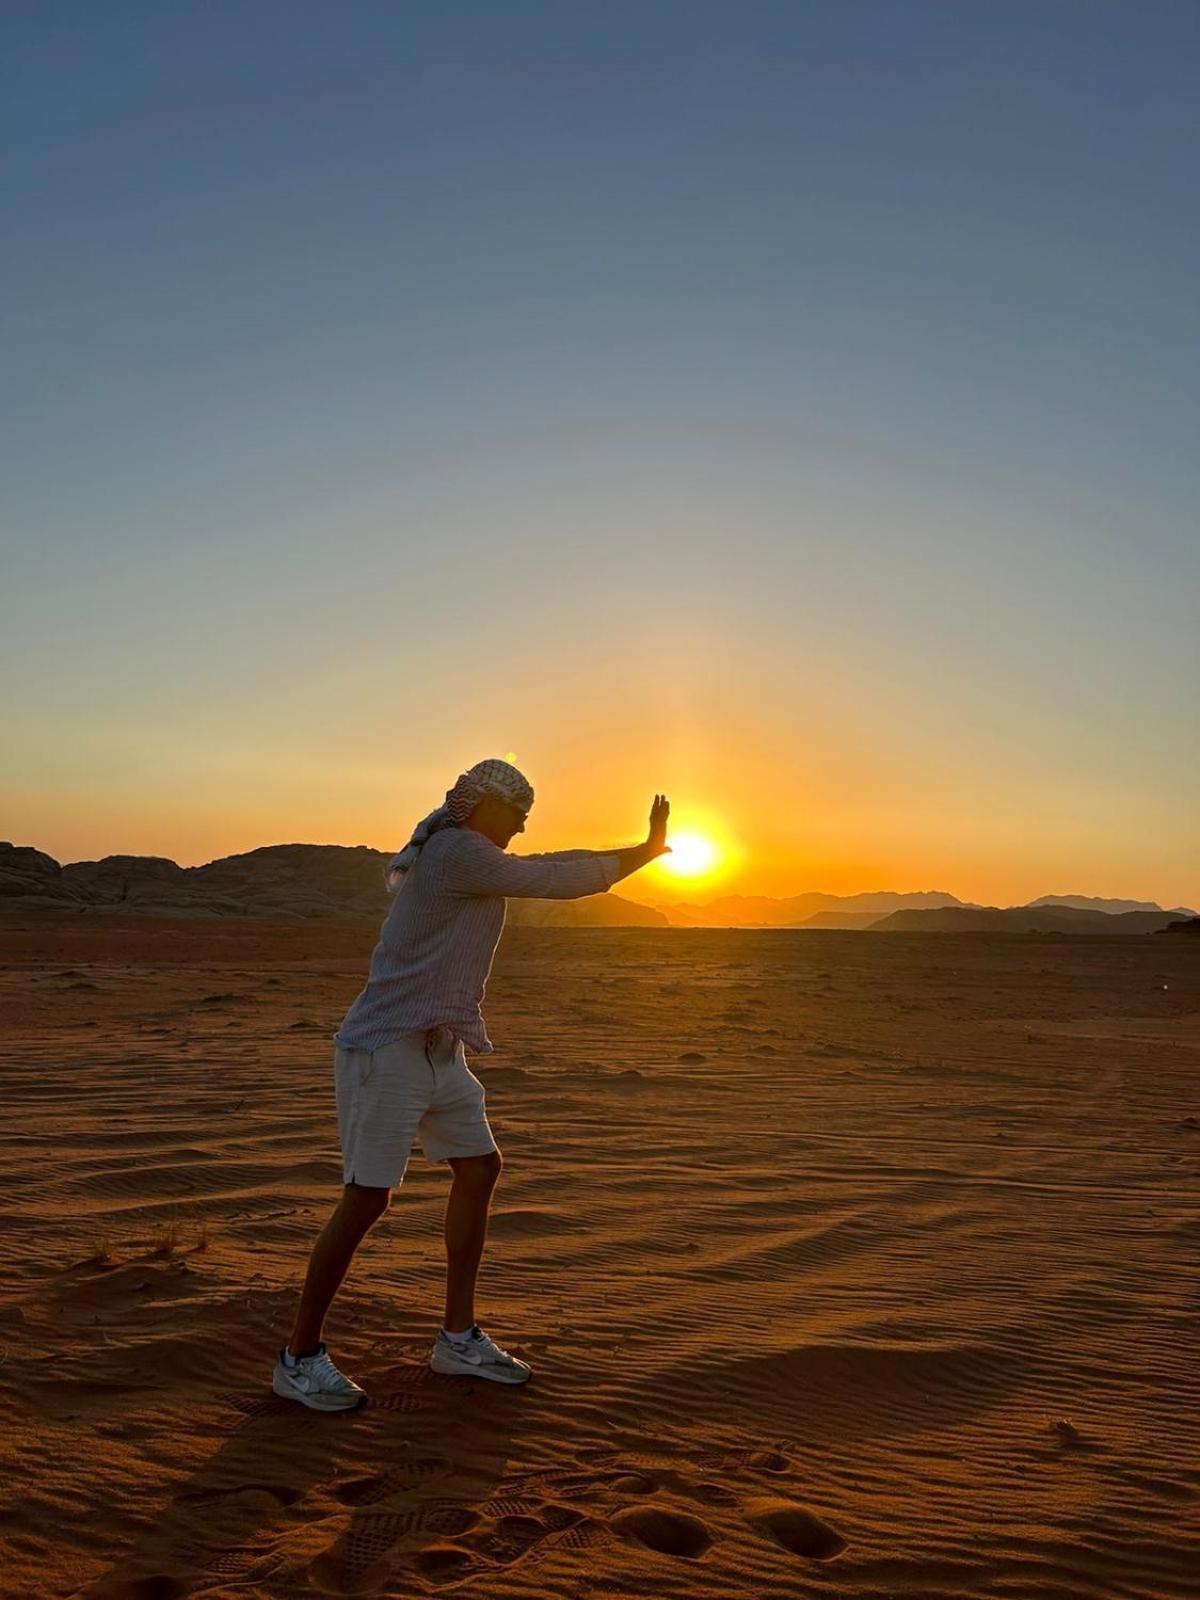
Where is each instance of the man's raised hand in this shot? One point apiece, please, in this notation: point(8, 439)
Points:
point(657, 836)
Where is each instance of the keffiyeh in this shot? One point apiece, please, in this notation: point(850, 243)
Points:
point(485, 777)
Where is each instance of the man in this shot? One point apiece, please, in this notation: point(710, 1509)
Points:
point(400, 1067)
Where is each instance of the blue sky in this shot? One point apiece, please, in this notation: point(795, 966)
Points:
point(657, 391)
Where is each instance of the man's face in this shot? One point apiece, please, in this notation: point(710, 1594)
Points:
point(497, 820)
point(514, 820)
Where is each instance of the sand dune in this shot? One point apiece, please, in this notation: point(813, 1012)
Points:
point(847, 1267)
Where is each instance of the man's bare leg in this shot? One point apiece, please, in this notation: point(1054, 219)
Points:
point(466, 1230)
point(356, 1213)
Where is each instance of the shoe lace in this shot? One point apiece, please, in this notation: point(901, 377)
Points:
point(323, 1367)
point(492, 1348)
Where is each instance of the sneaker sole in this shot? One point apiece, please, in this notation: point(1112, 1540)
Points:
point(493, 1374)
point(314, 1402)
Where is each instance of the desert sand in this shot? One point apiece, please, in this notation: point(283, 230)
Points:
point(848, 1266)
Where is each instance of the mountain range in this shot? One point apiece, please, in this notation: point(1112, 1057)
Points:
point(801, 910)
point(1091, 902)
point(307, 880)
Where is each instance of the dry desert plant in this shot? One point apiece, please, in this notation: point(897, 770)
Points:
point(102, 1253)
point(166, 1240)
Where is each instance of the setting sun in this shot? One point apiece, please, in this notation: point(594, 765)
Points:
point(704, 855)
point(691, 855)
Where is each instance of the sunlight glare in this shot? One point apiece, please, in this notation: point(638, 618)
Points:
point(691, 854)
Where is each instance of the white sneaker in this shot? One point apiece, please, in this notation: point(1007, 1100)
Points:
point(477, 1357)
point(316, 1382)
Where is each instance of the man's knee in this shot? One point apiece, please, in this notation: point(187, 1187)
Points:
point(366, 1200)
point(482, 1171)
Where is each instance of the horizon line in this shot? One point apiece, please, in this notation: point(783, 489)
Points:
point(973, 905)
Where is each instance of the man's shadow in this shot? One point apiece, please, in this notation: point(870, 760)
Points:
point(339, 1500)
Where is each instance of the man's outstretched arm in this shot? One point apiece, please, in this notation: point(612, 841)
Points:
point(480, 867)
point(632, 857)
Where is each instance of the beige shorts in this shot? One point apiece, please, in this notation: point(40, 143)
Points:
point(418, 1087)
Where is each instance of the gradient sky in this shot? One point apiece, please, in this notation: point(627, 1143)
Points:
point(792, 408)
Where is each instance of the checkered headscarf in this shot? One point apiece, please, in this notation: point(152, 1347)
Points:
point(485, 777)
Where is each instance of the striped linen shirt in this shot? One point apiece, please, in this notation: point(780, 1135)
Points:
point(437, 942)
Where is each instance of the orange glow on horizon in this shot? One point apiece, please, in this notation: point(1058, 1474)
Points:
point(839, 838)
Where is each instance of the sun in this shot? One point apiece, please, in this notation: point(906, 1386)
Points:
point(705, 853)
point(692, 855)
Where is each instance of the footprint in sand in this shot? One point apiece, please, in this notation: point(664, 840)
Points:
point(578, 1536)
point(714, 1494)
point(446, 1516)
point(618, 1477)
point(467, 1540)
point(559, 1481)
point(509, 1538)
point(366, 1550)
point(632, 1483)
point(509, 1505)
point(509, 1529)
point(351, 1561)
point(379, 1486)
point(795, 1529)
point(670, 1533)
point(444, 1564)
point(281, 1494)
point(238, 1563)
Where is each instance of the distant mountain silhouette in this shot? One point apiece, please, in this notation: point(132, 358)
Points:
point(1189, 929)
point(763, 911)
point(919, 912)
point(280, 880)
point(1022, 919)
point(1089, 902)
point(848, 921)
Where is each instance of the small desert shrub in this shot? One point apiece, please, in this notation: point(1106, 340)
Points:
point(166, 1240)
point(102, 1253)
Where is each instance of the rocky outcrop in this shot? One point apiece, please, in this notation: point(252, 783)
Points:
point(282, 880)
point(29, 877)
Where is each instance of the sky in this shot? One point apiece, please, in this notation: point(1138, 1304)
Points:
point(790, 408)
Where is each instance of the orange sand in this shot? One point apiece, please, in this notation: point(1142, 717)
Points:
point(848, 1265)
